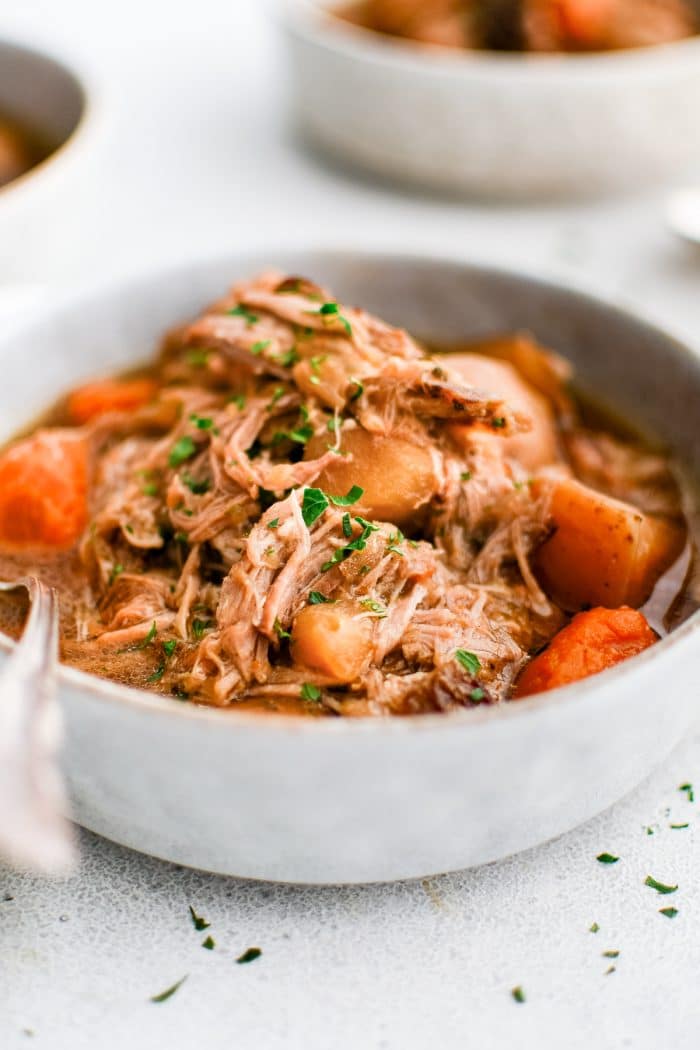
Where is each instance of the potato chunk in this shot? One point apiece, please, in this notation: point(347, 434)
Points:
point(398, 477)
point(533, 448)
point(603, 552)
point(333, 640)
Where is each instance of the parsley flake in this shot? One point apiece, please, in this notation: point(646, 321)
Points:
point(358, 391)
point(242, 311)
point(466, 475)
point(198, 921)
point(197, 488)
point(182, 450)
point(670, 913)
point(315, 502)
point(477, 695)
point(280, 631)
point(355, 494)
point(164, 996)
point(200, 627)
point(518, 994)
point(594, 927)
point(249, 955)
point(612, 953)
point(332, 311)
point(678, 827)
point(310, 692)
point(273, 524)
point(260, 346)
point(375, 607)
point(688, 788)
point(209, 943)
point(316, 598)
point(607, 858)
point(660, 887)
point(469, 661)
point(117, 570)
point(149, 637)
point(197, 358)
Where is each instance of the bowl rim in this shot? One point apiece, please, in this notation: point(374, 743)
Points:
point(118, 290)
point(56, 161)
point(316, 21)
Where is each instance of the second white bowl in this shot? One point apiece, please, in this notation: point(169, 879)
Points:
point(497, 124)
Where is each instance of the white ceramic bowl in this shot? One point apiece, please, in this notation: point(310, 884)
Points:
point(496, 124)
point(43, 206)
point(350, 801)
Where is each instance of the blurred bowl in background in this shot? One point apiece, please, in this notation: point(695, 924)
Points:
point(50, 103)
point(496, 124)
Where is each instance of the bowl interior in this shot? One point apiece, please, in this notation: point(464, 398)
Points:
point(40, 94)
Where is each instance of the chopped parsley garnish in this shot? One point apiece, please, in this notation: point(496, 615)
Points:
point(280, 631)
point(249, 955)
point(477, 695)
point(163, 996)
point(201, 422)
point(333, 425)
point(277, 393)
point(394, 540)
point(182, 450)
point(518, 994)
point(670, 913)
point(117, 570)
point(607, 858)
point(238, 400)
point(374, 606)
point(242, 311)
point(594, 927)
point(288, 358)
point(169, 647)
point(610, 969)
point(466, 475)
point(347, 526)
point(315, 502)
point(612, 953)
point(198, 921)
point(200, 627)
point(316, 598)
point(149, 637)
point(660, 887)
point(260, 346)
point(209, 943)
point(469, 661)
point(678, 827)
point(150, 489)
point(358, 391)
point(358, 544)
point(197, 358)
point(349, 498)
point(688, 788)
point(498, 422)
point(332, 311)
point(158, 673)
point(310, 692)
point(198, 488)
point(273, 524)
point(300, 434)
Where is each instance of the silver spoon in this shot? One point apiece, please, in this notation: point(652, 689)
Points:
point(34, 833)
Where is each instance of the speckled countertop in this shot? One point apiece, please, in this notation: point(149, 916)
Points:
point(394, 967)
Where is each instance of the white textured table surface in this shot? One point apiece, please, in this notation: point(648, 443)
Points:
point(197, 156)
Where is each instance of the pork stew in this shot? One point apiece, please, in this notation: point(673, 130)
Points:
point(300, 509)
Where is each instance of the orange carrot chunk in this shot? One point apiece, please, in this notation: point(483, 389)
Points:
point(43, 490)
point(591, 643)
point(109, 395)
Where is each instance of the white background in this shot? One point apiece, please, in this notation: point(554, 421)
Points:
point(195, 154)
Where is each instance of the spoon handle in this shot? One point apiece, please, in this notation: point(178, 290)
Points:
point(33, 831)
